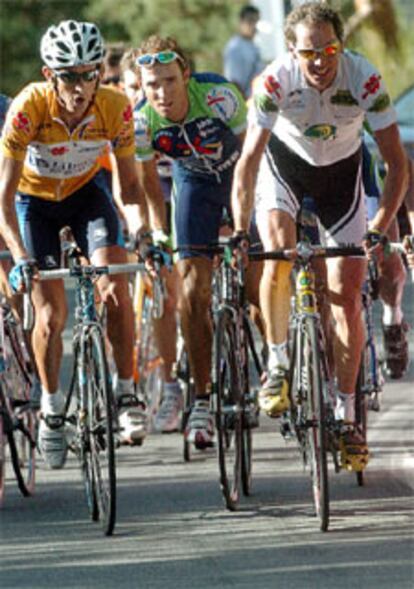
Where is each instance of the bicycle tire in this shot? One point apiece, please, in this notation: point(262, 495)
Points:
point(23, 452)
point(100, 429)
point(311, 398)
point(227, 403)
point(148, 375)
point(247, 407)
point(361, 408)
point(22, 432)
point(187, 388)
point(81, 443)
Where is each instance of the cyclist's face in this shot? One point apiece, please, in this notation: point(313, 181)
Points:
point(320, 70)
point(165, 86)
point(132, 86)
point(74, 94)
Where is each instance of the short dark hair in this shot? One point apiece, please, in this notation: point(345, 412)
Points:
point(312, 12)
point(249, 11)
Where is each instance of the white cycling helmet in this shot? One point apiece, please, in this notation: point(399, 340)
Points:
point(72, 43)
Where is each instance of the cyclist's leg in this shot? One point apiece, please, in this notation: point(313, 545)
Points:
point(345, 277)
point(39, 225)
point(96, 227)
point(198, 206)
point(391, 280)
point(277, 205)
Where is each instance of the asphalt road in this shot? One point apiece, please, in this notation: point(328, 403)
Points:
point(173, 530)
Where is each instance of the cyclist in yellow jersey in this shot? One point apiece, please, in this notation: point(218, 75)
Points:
point(53, 135)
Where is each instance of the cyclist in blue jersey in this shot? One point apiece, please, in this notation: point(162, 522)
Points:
point(199, 121)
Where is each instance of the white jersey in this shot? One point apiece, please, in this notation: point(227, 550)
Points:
point(321, 127)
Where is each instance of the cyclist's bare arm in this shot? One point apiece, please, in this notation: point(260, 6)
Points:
point(245, 175)
point(135, 214)
point(153, 193)
point(10, 172)
point(396, 180)
point(130, 191)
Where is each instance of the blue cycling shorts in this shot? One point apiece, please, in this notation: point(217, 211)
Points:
point(89, 212)
point(198, 206)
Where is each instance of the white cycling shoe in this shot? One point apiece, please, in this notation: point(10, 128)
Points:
point(168, 418)
point(132, 419)
point(52, 441)
point(200, 426)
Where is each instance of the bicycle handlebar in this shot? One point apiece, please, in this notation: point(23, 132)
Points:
point(92, 271)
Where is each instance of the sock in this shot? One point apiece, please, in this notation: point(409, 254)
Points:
point(124, 386)
point(345, 407)
point(277, 356)
point(392, 315)
point(52, 404)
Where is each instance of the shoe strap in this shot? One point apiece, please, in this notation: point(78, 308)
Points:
point(53, 421)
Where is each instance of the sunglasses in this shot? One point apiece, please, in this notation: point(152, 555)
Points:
point(163, 57)
point(72, 78)
point(312, 54)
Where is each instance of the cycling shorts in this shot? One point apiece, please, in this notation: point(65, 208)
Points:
point(284, 179)
point(198, 205)
point(89, 212)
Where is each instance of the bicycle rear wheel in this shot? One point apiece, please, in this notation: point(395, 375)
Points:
point(100, 430)
point(22, 447)
point(227, 403)
point(312, 382)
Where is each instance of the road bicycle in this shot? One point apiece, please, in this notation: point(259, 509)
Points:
point(311, 414)
point(148, 303)
point(233, 399)
point(90, 412)
point(18, 414)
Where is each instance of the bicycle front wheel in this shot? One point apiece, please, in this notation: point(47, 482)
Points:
point(312, 386)
point(227, 403)
point(100, 429)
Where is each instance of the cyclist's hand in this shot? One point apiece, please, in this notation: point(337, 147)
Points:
point(158, 254)
point(375, 244)
point(240, 243)
point(24, 270)
point(143, 242)
point(408, 243)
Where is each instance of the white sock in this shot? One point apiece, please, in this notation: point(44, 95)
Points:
point(52, 403)
point(124, 386)
point(277, 356)
point(345, 407)
point(392, 315)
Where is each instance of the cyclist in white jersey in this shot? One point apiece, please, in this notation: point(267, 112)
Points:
point(304, 137)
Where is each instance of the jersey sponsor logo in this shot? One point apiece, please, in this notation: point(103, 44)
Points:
point(127, 114)
point(59, 150)
point(223, 102)
point(321, 132)
point(344, 98)
point(272, 86)
point(80, 157)
point(372, 86)
point(265, 104)
point(21, 121)
point(381, 103)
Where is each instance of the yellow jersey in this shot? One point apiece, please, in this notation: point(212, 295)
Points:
point(58, 161)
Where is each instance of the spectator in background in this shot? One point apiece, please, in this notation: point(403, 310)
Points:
point(112, 64)
point(241, 57)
